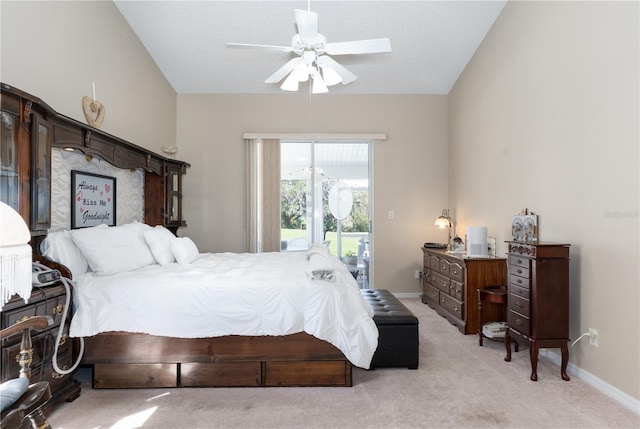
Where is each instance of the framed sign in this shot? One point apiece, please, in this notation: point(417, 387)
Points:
point(93, 200)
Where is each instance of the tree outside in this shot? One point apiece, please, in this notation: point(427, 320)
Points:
point(293, 210)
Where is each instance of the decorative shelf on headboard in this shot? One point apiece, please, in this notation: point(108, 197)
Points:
point(30, 128)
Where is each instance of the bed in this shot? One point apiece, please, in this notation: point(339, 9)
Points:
point(155, 312)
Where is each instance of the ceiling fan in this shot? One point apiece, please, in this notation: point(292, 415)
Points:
point(313, 58)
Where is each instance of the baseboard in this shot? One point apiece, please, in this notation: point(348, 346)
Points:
point(612, 392)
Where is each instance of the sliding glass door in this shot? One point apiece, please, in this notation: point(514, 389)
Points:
point(326, 197)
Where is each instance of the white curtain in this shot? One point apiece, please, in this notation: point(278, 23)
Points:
point(263, 195)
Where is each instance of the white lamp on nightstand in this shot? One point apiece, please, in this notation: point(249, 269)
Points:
point(15, 255)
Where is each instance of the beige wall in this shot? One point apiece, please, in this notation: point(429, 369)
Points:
point(55, 50)
point(410, 167)
point(545, 116)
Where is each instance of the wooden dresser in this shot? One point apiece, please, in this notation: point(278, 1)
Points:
point(539, 299)
point(46, 301)
point(450, 285)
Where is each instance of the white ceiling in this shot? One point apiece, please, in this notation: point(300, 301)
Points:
point(431, 41)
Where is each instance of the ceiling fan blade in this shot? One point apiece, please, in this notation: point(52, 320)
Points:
point(346, 75)
point(371, 46)
point(284, 70)
point(253, 46)
point(307, 23)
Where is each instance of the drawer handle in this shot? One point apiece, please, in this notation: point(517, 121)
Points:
point(63, 339)
point(455, 308)
point(519, 271)
point(519, 281)
point(519, 305)
point(519, 261)
point(519, 322)
point(57, 310)
point(442, 300)
point(23, 318)
point(55, 375)
point(455, 271)
point(458, 290)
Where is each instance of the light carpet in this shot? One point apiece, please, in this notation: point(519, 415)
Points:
point(458, 385)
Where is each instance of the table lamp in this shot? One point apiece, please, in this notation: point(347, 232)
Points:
point(15, 255)
point(444, 221)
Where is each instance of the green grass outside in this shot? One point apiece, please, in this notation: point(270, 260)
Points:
point(348, 243)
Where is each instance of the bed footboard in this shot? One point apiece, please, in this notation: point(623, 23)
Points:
point(125, 360)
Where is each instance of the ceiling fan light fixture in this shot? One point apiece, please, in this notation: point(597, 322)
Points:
point(319, 87)
point(290, 83)
point(301, 72)
point(312, 48)
point(330, 76)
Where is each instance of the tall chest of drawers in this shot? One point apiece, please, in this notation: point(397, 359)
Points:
point(538, 299)
point(46, 301)
point(450, 282)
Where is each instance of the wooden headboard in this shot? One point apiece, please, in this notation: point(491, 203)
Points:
point(30, 128)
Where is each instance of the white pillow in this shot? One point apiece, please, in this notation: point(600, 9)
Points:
point(184, 250)
point(11, 391)
point(159, 240)
point(59, 247)
point(115, 249)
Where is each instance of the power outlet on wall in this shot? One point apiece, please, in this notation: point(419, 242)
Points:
point(593, 337)
point(418, 274)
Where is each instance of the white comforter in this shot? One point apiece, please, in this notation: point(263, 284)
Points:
point(230, 294)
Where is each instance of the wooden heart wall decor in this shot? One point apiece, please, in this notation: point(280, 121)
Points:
point(93, 111)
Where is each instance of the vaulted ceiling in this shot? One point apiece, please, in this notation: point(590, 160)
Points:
point(431, 41)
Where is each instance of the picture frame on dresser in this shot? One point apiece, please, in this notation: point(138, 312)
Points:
point(93, 199)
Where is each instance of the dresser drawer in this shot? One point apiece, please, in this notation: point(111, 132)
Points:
point(519, 305)
point(519, 261)
point(456, 272)
point(53, 307)
point(426, 276)
point(434, 263)
point(519, 271)
point(519, 291)
point(456, 289)
point(451, 304)
point(441, 282)
point(42, 344)
point(431, 293)
point(518, 322)
point(444, 267)
point(519, 281)
point(426, 260)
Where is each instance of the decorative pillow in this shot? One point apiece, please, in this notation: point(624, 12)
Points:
point(11, 391)
point(59, 247)
point(159, 240)
point(115, 249)
point(184, 250)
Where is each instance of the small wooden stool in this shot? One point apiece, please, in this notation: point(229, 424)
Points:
point(492, 294)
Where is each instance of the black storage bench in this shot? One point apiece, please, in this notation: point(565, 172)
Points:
point(397, 328)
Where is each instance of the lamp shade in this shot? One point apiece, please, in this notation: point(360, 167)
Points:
point(15, 255)
point(442, 222)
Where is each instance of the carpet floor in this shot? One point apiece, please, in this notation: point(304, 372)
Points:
point(458, 385)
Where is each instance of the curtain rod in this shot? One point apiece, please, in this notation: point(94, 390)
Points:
point(315, 136)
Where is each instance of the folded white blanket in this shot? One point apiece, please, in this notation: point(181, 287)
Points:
point(320, 265)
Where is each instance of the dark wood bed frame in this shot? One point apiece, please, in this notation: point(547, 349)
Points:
point(125, 360)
